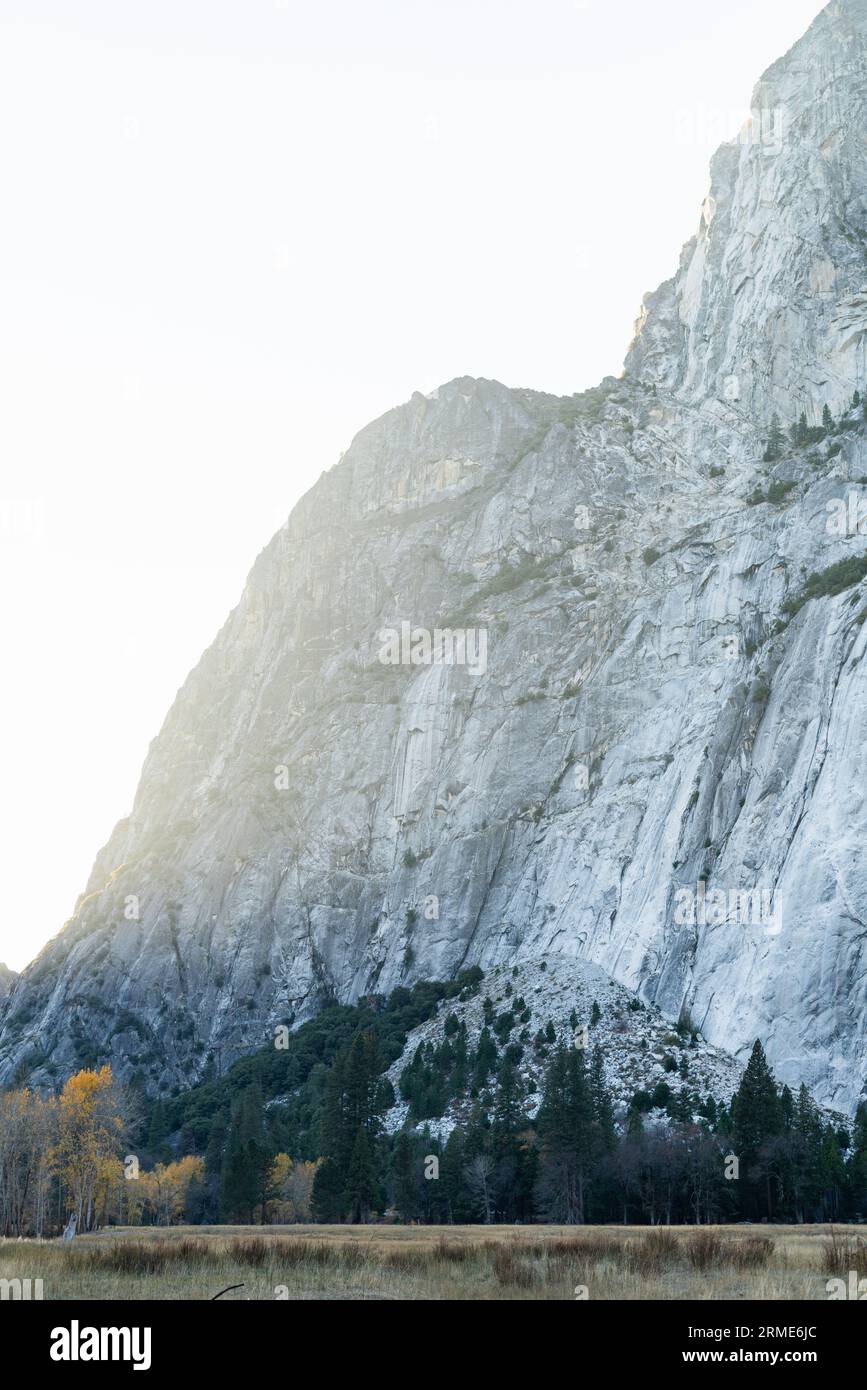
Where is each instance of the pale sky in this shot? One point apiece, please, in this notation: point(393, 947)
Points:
point(235, 231)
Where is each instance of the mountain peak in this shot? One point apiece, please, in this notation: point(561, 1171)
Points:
point(641, 752)
point(767, 313)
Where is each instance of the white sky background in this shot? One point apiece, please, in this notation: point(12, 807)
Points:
point(235, 231)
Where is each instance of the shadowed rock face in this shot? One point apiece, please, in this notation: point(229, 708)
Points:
point(312, 821)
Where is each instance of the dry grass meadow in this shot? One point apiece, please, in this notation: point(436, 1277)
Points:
point(437, 1262)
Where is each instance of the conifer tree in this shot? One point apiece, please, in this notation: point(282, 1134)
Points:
point(832, 1174)
point(486, 1058)
point(787, 1107)
point(246, 1158)
point(452, 1181)
point(756, 1107)
point(235, 1195)
point(404, 1184)
point(603, 1110)
point(757, 1117)
point(362, 1186)
point(363, 1066)
point(775, 442)
point(857, 1174)
point(508, 1117)
point(329, 1192)
point(354, 1096)
point(157, 1142)
point(565, 1127)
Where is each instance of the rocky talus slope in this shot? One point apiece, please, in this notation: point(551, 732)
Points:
point(655, 762)
point(533, 1003)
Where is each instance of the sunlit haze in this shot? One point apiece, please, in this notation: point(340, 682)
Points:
point(233, 233)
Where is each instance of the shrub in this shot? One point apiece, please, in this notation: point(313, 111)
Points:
point(752, 1253)
point(828, 583)
point(511, 1270)
point(776, 493)
point(452, 1251)
point(778, 490)
point(652, 1253)
point(843, 1252)
point(704, 1250)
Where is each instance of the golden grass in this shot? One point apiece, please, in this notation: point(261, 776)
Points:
point(441, 1262)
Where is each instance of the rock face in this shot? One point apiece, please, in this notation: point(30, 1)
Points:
point(7, 980)
point(642, 758)
point(768, 310)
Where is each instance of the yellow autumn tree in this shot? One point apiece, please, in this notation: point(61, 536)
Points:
point(291, 1185)
point(89, 1132)
point(108, 1190)
point(168, 1185)
point(26, 1134)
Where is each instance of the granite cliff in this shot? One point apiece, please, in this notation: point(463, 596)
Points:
point(646, 750)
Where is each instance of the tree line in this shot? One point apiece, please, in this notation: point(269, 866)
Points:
point(65, 1157)
point(314, 1132)
point(769, 1155)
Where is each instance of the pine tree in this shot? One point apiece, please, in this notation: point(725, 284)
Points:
point(787, 1107)
point(857, 1174)
point(486, 1058)
point(214, 1150)
point(216, 1145)
point(565, 1128)
point(256, 1144)
point(243, 1185)
point(508, 1117)
point(832, 1174)
point(363, 1066)
point(334, 1142)
point(709, 1111)
point(827, 419)
point(603, 1110)
point(236, 1193)
point(329, 1198)
point(452, 1181)
point(756, 1106)
point(403, 1176)
point(776, 440)
point(460, 1062)
point(634, 1122)
point(361, 1184)
point(157, 1141)
point(353, 1099)
point(757, 1119)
